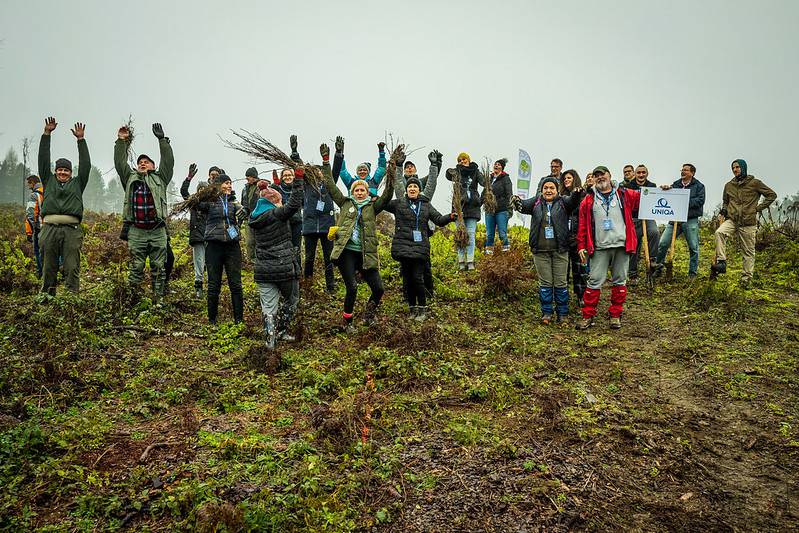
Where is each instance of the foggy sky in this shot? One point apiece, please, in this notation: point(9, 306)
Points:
point(615, 82)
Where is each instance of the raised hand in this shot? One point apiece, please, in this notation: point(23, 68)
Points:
point(439, 157)
point(192, 171)
point(49, 125)
point(275, 177)
point(324, 151)
point(381, 146)
point(340, 144)
point(79, 130)
point(293, 143)
point(299, 173)
point(123, 133)
point(158, 131)
point(432, 157)
point(516, 202)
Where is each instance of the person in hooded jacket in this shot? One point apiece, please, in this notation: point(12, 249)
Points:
point(549, 242)
point(497, 222)
point(249, 197)
point(410, 245)
point(466, 175)
point(362, 171)
point(570, 184)
point(355, 240)
point(197, 226)
point(223, 248)
point(740, 207)
point(276, 270)
point(406, 170)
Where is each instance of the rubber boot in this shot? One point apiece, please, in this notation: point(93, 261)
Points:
point(269, 331)
point(283, 329)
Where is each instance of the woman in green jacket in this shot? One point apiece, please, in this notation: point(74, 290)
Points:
point(355, 238)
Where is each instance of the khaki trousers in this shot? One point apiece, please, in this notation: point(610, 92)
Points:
point(746, 241)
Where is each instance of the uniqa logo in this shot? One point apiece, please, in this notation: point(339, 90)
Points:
point(662, 207)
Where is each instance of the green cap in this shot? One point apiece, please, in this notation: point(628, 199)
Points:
point(601, 169)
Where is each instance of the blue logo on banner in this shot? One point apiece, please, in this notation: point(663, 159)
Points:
point(662, 207)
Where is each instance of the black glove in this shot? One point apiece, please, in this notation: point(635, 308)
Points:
point(381, 146)
point(192, 171)
point(158, 131)
point(293, 143)
point(339, 144)
point(432, 157)
point(439, 158)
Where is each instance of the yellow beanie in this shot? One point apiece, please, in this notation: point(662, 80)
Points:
point(464, 154)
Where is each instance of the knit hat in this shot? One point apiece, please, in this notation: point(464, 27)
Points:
point(64, 163)
point(33, 178)
point(464, 154)
point(144, 156)
point(550, 179)
point(601, 169)
point(358, 182)
point(366, 165)
point(413, 180)
point(222, 178)
point(214, 168)
point(409, 163)
point(273, 195)
point(502, 162)
point(252, 172)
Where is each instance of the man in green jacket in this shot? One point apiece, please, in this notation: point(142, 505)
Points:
point(61, 237)
point(249, 197)
point(145, 207)
point(738, 216)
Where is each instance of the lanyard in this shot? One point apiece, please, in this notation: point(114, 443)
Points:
point(225, 209)
point(416, 211)
point(607, 201)
point(549, 214)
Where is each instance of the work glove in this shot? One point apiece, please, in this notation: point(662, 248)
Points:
point(339, 144)
point(192, 171)
point(299, 173)
point(158, 131)
point(293, 143)
point(324, 151)
point(275, 178)
point(516, 202)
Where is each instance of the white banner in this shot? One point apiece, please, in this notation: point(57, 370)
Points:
point(670, 205)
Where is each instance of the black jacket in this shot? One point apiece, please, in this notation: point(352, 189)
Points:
point(313, 219)
point(467, 178)
point(275, 260)
point(696, 202)
point(502, 187)
point(196, 217)
point(562, 207)
point(217, 224)
point(405, 222)
point(285, 193)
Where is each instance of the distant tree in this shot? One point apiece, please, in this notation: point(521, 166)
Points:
point(12, 178)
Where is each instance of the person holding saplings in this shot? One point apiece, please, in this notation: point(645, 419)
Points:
point(740, 206)
point(61, 236)
point(465, 177)
point(497, 220)
point(145, 208)
point(223, 248)
point(276, 269)
point(197, 226)
point(549, 242)
point(607, 236)
point(355, 240)
point(411, 245)
point(249, 197)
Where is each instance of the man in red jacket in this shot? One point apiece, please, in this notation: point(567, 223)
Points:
point(606, 234)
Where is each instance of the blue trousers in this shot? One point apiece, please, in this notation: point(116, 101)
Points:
point(497, 222)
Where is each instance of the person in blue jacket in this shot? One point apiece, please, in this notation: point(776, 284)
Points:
point(363, 170)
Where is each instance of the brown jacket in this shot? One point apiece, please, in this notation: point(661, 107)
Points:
point(740, 200)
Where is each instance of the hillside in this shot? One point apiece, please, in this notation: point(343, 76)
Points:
point(118, 414)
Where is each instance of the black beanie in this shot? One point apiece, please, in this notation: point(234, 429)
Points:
point(212, 169)
point(64, 163)
point(251, 173)
point(502, 162)
point(222, 178)
point(408, 163)
point(551, 179)
point(144, 156)
point(415, 181)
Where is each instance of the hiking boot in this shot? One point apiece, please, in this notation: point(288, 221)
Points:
point(584, 323)
point(413, 311)
point(615, 322)
point(720, 267)
point(546, 318)
point(285, 336)
point(370, 315)
point(562, 320)
point(470, 265)
point(421, 313)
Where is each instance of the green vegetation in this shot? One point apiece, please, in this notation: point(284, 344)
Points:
point(115, 413)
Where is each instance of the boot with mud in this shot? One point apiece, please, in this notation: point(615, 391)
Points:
point(584, 323)
point(615, 322)
point(370, 315)
point(413, 312)
point(270, 332)
point(283, 330)
point(720, 267)
point(421, 313)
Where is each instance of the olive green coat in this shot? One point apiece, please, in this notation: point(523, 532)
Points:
point(63, 198)
point(157, 180)
point(347, 219)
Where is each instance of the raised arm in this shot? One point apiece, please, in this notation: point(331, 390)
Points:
point(121, 155)
point(335, 192)
point(295, 155)
point(435, 159)
point(166, 167)
point(381, 163)
point(385, 196)
point(44, 151)
point(338, 159)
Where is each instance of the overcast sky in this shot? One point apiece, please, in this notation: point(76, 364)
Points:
point(613, 82)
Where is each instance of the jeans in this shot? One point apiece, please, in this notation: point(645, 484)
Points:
point(350, 262)
point(652, 235)
point(466, 255)
point(690, 230)
point(497, 222)
point(198, 253)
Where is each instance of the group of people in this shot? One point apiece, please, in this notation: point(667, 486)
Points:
point(578, 229)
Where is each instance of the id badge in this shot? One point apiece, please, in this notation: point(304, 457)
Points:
point(232, 232)
point(320, 205)
point(549, 232)
point(607, 224)
point(417, 236)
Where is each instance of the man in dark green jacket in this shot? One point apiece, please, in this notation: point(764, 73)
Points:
point(249, 197)
point(740, 206)
point(145, 207)
point(61, 237)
